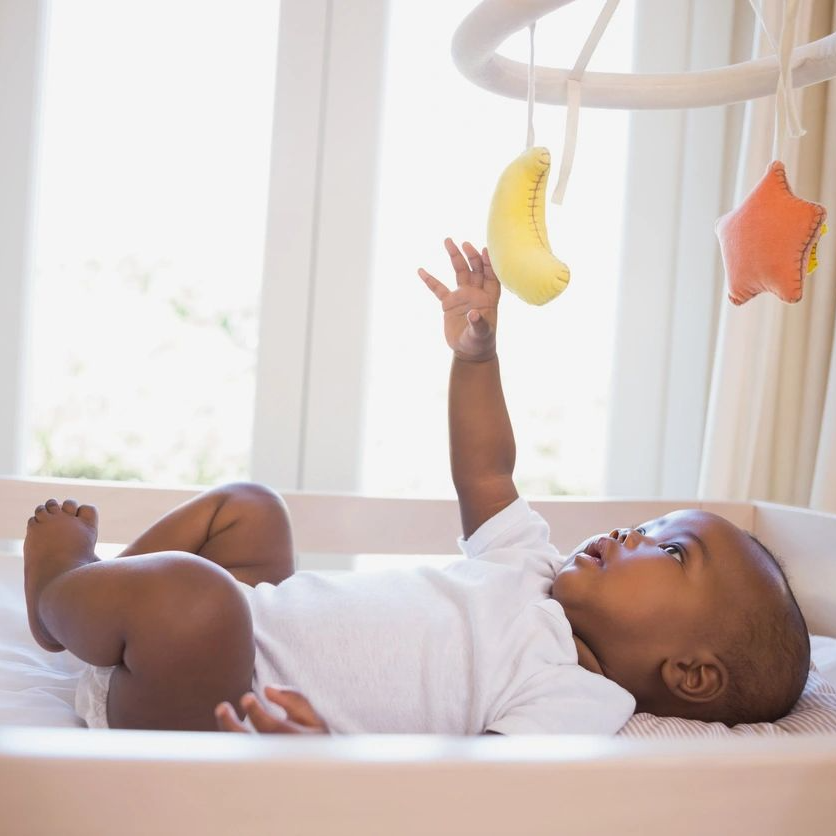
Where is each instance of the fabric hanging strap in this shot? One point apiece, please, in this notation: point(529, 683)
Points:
point(787, 121)
point(529, 141)
point(573, 99)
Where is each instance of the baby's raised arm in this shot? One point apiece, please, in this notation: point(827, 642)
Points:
point(482, 447)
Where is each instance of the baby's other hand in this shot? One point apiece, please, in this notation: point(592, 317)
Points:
point(470, 311)
point(301, 718)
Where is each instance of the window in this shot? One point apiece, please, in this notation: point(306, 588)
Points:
point(152, 200)
point(445, 142)
point(153, 182)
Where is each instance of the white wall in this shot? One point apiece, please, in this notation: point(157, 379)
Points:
point(22, 35)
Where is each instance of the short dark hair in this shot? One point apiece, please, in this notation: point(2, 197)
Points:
point(768, 660)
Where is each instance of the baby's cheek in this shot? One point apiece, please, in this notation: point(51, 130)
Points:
point(569, 587)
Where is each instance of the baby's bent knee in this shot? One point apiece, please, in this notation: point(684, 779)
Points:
point(194, 598)
point(251, 491)
point(253, 495)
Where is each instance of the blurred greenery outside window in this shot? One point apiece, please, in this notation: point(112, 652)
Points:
point(153, 175)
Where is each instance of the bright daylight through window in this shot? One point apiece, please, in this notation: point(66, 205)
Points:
point(152, 201)
point(445, 141)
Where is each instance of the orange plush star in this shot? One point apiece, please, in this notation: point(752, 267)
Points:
point(769, 241)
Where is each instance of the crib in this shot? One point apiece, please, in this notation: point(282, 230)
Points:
point(76, 781)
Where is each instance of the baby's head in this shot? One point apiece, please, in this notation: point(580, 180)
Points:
point(690, 614)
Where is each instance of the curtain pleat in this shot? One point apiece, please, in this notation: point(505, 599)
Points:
point(772, 407)
point(819, 451)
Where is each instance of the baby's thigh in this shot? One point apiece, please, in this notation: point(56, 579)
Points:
point(192, 649)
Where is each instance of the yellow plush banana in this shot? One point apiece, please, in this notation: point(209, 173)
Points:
point(517, 242)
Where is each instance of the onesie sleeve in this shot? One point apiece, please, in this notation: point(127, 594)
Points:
point(514, 534)
point(566, 699)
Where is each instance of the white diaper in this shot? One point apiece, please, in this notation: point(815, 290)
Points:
point(91, 696)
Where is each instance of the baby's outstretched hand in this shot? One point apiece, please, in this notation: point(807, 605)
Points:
point(469, 310)
point(301, 718)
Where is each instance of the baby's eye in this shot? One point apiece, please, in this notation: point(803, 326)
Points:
point(674, 550)
point(641, 530)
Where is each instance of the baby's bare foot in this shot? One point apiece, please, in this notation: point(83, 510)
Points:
point(58, 538)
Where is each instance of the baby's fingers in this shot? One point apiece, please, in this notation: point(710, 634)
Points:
point(477, 276)
point(262, 719)
point(479, 327)
point(488, 267)
point(227, 720)
point(458, 261)
point(433, 284)
point(297, 707)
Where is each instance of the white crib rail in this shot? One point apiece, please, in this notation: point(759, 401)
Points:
point(75, 782)
point(336, 523)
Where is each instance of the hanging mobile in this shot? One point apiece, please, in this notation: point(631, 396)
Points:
point(768, 243)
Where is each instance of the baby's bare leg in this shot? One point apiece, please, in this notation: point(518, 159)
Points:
point(242, 526)
point(176, 626)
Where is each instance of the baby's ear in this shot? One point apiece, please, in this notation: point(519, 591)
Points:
point(701, 677)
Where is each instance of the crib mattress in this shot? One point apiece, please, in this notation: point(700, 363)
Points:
point(78, 781)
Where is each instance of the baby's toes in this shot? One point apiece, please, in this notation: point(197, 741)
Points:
point(53, 506)
point(89, 514)
point(70, 506)
point(41, 513)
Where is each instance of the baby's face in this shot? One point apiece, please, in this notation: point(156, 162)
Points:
point(637, 595)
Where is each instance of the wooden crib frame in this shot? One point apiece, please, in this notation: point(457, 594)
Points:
point(76, 781)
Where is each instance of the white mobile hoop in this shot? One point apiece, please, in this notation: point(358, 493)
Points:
point(480, 34)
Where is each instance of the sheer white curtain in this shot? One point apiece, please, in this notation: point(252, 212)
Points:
point(709, 399)
point(670, 286)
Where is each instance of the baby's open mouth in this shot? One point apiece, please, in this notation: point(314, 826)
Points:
point(591, 553)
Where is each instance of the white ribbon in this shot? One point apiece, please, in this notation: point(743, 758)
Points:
point(573, 99)
point(787, 121)
point(529, 140)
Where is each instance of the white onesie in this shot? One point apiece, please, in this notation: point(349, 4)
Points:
point(477, 646)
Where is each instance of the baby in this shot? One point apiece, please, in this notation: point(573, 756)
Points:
point(685, 615)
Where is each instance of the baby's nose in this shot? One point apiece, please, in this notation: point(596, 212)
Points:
point(628, 536)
